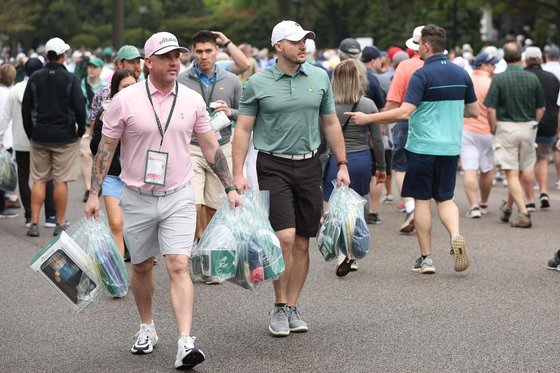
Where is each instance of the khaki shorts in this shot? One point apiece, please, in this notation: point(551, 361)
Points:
point(514, 145)
point(54, 162)
point(206, 186)
point(85, 150)
point(158, 225)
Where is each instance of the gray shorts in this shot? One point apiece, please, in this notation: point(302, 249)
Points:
point(158, 225)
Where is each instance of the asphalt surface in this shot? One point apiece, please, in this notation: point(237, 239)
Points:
point(500, 315)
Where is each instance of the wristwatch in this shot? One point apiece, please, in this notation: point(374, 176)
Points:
point(230, 188)
point(226, 44)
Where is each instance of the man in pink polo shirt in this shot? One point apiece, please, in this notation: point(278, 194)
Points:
point(476, 147)
point(154, 121)
point(395, 97)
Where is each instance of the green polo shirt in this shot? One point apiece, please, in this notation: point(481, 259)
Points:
point(287, 108)
point(515, 94)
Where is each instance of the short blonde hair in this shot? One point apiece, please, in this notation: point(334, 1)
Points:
point(349, 82)
point(7, 74)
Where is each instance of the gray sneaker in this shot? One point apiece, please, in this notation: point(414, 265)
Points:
point(33, 230)
point(424, 265)
point(459, 251)
point(296, 323)
point(505, 212)
point(279, 325)
point(59, 228)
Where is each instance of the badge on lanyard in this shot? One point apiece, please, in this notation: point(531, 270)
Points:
point(155, 171)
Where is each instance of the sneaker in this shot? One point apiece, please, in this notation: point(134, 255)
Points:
point(407, 226)
point(12, 204)
point(459, 251)
point(521, 221)
point(59, 228)
point(373, 218)
point(279, 325)
point(531, 207)
point(296, 323)
point(353, 266)
point(188, 356)
point(536, 186)
point(146, 340)
point(505, 212)
point(400, 207)
point(545, 203)
point(27, 222)
point(554, 263)
point(216, 281)
point(50, 222)
point(424, 265)
point(344, 266)
point(483, 208)
point(388, 199)
point(7, 214)
point(474, 213)
point(33, 230)
point(86, 196)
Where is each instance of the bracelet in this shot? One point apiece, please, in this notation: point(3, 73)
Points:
point(230, 188)
point(226, 44)
point(340, 163)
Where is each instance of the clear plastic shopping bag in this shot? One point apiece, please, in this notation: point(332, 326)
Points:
point(8, 172)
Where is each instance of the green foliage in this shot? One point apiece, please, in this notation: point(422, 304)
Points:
point(134, 37)
point(84, 41)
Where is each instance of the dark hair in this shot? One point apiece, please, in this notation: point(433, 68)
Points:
point(204, 36)
point(52, 56)
point(435, 36)
point(33, 64)
point(512, 52)
point(116, 80)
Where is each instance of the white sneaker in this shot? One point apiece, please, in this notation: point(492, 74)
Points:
point(146, 339)
point(188, 356)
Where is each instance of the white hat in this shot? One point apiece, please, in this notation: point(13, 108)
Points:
point(414, 42)
point(533, 52)
point(56, 45)
point(310, 46)
point(289, 30)
point(161, 43)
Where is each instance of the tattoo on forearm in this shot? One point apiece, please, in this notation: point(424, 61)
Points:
point(102, 162)
point(221, 169)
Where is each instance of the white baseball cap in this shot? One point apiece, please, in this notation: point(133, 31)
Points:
point(414, 42)
point(161, 43)
point(289, 30)
point(533, 52)
point(310, 47)
point(56, 45)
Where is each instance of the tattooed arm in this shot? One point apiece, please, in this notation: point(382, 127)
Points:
point(218, 163)
point(101, 164)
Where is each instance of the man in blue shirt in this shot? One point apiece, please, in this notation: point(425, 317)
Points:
point(439, 95)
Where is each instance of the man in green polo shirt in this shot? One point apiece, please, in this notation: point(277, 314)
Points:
point(282, 105)
point(515, 102)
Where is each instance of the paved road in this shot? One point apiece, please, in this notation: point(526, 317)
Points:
point(500, 315)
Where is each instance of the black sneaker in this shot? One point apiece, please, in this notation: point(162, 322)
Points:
point(59, 228)
point(544, 201)
point(554, 263)
point(531, 207)
point(33, 230)
point(86, 196)
point(7, 214)
point(344, 266)
point(50, 222)
point(373, 219)
point(27, 222)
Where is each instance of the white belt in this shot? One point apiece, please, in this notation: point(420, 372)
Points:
point(293, 157)
point(156, 193)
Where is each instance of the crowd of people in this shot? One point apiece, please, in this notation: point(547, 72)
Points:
point(160, 133)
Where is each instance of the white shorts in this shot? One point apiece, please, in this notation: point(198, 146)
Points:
point(477, 152)
point(158, 225)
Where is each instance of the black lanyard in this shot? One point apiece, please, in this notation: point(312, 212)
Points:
point(207, 101)
point(161, 130)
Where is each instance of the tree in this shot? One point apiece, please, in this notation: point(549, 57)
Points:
point(18, 19)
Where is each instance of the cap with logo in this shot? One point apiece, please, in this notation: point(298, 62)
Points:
point(533, 52)
point(485, 58)
point(161, 43)
point(289, 30)
point(350, 46)
point(414, 42)
point(56, 45)
point(128, 52)
point(95, 61)
point(370, 53)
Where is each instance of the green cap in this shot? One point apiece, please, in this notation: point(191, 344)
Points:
point(108, 51)
point(96, 61)
point(128, 52)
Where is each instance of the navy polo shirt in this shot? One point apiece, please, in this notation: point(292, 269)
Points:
point(439, 90)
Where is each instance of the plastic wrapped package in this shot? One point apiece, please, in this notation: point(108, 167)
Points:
point(346, 209)
point(105, 260)
point(239, 244)
point(8, 172)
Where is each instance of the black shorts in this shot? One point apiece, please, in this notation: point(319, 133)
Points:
point(295, 192)
point(430, 176)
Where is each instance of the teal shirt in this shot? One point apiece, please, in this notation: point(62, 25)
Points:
point(287, 108)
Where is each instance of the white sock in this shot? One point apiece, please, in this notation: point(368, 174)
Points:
point(409, 206)
point(150, 325)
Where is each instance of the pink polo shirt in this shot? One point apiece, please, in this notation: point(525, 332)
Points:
point(403, 73)
point(481, 81)
point(130, 118)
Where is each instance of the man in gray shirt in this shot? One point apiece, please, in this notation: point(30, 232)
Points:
point(221, 91)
